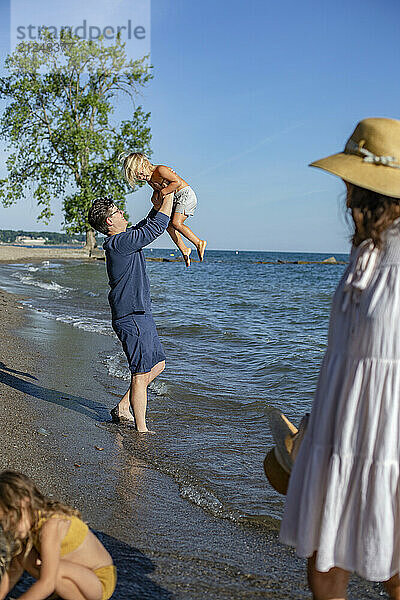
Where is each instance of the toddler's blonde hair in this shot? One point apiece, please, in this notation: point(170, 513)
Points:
point(132, 163)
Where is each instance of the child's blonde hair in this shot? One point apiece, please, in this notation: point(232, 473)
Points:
point(132, 163)
point(15, 489)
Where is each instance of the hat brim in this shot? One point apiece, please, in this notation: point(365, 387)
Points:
point(352, 168)
point(275, 474)
point(282, 430)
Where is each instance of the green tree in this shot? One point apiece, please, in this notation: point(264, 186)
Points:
point(60, 129)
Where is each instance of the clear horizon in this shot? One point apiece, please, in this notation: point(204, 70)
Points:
point(169, 248)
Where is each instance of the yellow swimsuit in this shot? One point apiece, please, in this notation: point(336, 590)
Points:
point(74, 537)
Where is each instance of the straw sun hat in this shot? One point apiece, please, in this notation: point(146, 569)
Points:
point(371, 158)
point(279, 460)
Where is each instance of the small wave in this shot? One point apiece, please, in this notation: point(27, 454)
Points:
point(160, 388)
point(91, 294)
point(51, 265)
point(51, 286)
point(44, 313)
point(88, 324)
point(85, 323)
point(263, 520)
point(33, 269)
point(189, 487)
point(199, 495)
point(115, 368)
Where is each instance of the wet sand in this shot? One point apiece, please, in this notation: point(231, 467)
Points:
point(55, 416)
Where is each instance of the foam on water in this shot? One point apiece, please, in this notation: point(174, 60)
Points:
point(160, 388)
point(91, 294)
point(86, 324)
point(52, 285)
point(115, 366)
point(199, 495)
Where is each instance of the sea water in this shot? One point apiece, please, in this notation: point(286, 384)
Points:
point(240, 336)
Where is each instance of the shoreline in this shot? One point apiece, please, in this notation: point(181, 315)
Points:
point(164, 546)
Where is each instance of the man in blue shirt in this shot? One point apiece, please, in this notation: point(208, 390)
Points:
point(129, 297)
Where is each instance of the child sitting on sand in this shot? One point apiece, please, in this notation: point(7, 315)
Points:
point(53, 544)
point(163, 180)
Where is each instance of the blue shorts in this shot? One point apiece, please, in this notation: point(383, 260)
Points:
point(140, 341)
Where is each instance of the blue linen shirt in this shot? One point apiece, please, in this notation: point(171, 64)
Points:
point(126, 267)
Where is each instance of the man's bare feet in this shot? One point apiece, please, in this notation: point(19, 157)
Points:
point(118, 416)
point(186, 257)
point(201, 249)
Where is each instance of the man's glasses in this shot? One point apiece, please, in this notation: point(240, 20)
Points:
point(116, 211)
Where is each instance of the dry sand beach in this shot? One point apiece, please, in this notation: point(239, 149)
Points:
point(56, 429)
point(14, 253)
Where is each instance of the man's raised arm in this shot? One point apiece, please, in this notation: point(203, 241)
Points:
point(166, 205)
point(147, 230)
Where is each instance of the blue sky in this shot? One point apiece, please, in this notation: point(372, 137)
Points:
point(244, 96)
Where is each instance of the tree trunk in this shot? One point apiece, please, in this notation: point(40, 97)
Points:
point(90, 241)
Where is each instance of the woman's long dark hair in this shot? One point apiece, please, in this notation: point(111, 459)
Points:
point(372, 213)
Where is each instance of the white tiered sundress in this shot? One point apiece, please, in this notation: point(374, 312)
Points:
point(344, 496)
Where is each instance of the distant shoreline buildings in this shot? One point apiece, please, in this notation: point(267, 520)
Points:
point(40, 238)
point(26, 240)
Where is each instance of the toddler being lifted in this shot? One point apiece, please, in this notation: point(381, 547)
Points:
point(163, 180)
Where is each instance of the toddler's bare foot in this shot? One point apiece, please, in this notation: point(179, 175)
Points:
point(201, 249)
point(186, 257)
point(145, 431)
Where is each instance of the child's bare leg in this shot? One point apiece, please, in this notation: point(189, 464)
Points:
point(178, 241)
point(76, 582)
point(178, 221)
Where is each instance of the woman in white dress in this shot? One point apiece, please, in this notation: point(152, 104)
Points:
point(343, 503)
